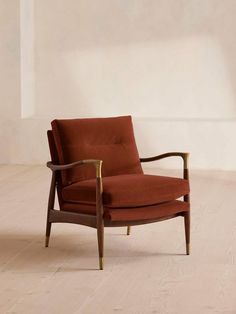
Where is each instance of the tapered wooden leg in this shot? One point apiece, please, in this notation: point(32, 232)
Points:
point(128, 230)
point(187, 231)
point(100, 235)
point(48, 231)
point(99, 211)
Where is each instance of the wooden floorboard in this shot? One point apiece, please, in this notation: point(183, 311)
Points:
point(146, 272)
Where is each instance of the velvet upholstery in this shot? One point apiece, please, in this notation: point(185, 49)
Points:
point(119, 196)
point(149, 212)
point(109, 139)
point(128, 190)
point(131, 214)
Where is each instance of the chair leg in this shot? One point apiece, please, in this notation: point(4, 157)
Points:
point(128, 230)
point(100, 236)
point(48, 231)
point(187, 231)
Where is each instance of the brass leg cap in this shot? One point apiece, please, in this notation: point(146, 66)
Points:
point(101, 263)
point(46, 241)
point(128, 230)
point(188, 249)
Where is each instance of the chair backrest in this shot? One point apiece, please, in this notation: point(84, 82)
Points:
point(109, 139)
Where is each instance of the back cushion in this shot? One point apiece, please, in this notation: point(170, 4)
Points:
point(109, 139)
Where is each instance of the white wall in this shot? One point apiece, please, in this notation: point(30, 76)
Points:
point(9, 73)
point(166, 59)
point(171, 64)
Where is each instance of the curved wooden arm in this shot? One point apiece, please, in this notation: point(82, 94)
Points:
point(171, 154)
point(97, 163)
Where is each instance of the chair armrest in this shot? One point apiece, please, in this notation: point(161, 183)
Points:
point(171, 154)
point(99, 188)
point(97, 163)
point(184, 156)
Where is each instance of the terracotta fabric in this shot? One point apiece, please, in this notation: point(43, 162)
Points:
point(144, 213)
point(131, 214)
point(128, 190)
point(109, 139)
point(78, 208)
point(128, 195)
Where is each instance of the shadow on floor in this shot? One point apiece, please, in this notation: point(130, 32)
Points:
point(25, 252)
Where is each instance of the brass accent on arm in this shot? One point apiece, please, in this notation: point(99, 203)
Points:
point(98, 167)
point(185, 159)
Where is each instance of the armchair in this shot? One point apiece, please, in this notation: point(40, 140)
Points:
point(97, 174)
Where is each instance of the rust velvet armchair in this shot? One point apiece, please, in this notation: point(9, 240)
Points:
point(99, 180)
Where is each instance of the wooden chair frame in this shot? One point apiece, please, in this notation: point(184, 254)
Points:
point(98, 221)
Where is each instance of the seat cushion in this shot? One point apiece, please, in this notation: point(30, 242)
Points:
point(128, 190)
point(158, 211)
point(108, 139)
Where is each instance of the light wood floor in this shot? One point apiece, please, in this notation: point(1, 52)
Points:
point(146, 272)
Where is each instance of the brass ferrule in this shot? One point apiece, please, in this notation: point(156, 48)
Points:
point(188, 249)
point(101, 263)
point(98, 169)
point(185, 158)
